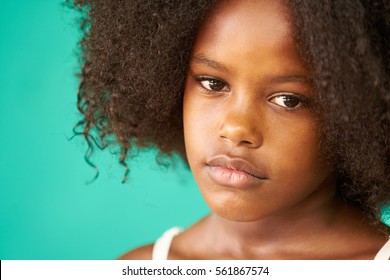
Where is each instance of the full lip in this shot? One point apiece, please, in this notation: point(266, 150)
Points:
point(234, 172)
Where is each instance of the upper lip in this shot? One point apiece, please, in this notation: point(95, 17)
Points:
point(238, 164)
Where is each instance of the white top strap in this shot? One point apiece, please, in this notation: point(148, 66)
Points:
point(163, 244)
point(384, 252)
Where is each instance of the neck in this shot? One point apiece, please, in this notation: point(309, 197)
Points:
point(289, 229)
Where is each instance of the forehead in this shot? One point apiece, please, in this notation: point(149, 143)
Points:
point(247, 23)
point(250, 38)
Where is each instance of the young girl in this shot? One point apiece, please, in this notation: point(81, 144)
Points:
point(280, 108)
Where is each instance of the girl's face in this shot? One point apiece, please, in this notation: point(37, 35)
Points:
point(250, 133)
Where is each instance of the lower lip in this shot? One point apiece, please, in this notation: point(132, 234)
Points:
point(232, 178)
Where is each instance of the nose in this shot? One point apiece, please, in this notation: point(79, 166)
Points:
point(241, 128)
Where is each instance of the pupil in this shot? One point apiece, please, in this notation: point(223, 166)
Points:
point(291, 101)
point(216, 85)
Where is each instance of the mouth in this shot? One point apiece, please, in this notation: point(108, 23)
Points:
point(234, 172)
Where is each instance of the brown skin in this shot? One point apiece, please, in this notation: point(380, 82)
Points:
point(248, 97)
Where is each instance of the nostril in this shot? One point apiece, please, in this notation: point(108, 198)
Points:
point(244, 142)
point(240, 130)
point(238, 141)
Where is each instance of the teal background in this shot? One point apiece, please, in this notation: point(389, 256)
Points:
point(47, 211)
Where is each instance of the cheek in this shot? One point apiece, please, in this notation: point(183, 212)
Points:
point(197, 125)
point(192, 127)
point(188, 117)
point(296, 156)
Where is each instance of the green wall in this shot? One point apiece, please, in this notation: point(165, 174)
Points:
point(47, 211)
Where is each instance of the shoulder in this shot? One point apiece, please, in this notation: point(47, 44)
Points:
point(162, 244)
point(180, 244)
point(140, 253)
point(372, 243)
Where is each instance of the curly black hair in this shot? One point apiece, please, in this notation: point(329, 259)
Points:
point(135, 56)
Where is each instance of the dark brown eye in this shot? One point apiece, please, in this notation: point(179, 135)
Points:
point(213, 84)
point(287, 101)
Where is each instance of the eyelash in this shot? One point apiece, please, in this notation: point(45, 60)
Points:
point(301, 101)
point(209, 90)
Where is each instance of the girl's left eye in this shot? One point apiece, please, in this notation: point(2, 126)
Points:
point(287, 101)
point(212, 84)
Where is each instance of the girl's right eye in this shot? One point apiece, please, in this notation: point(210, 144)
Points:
point(212, 84)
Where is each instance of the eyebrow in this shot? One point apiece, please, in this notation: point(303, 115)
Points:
point(201, 59)
point(290, 78)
